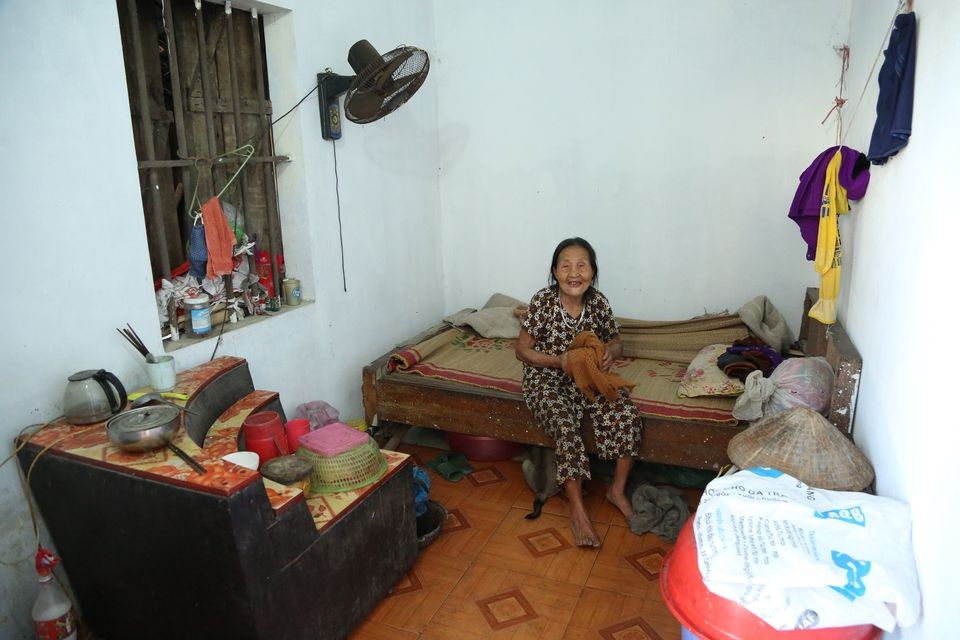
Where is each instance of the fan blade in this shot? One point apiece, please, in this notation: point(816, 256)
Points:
point(363, 106)
point(386, 73)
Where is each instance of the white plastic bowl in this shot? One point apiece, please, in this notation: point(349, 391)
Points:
point(248, 459)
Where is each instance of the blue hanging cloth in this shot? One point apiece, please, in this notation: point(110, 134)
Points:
point(197, 252)
point(894, 123)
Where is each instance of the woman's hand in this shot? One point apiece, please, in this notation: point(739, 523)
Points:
point(607, 361)
point(613, 350)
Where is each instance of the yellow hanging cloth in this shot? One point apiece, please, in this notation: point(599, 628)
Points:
point(827, 261)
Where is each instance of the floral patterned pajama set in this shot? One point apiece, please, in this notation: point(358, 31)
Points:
point(555, 401)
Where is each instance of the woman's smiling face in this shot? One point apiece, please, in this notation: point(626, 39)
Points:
point(573, 271)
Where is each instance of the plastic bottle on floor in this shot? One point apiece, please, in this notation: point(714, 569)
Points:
point(53, 615)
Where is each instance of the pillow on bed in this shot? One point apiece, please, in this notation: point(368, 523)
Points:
point(704, 378)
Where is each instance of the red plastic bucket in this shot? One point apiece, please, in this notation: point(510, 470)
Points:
point(263, 433)
point(708, 616)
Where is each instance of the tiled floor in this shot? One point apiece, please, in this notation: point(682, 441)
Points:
point(491, 573)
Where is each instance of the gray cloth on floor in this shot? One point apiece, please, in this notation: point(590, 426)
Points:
point(662, 511)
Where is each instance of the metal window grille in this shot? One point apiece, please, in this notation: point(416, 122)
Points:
point(197, 82)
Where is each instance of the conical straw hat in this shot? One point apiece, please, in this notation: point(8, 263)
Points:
point(805, 445)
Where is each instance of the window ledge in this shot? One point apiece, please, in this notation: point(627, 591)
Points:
point(170, 346)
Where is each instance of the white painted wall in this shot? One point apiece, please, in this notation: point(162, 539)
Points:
point(669, 134)
point(900, 292)
point(75, 243)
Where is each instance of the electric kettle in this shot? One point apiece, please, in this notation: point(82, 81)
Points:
point(93, 396)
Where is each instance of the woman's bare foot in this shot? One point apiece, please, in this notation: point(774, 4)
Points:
point(583, 533)
point(621, 502)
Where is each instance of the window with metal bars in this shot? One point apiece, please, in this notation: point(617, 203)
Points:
point(201, 114)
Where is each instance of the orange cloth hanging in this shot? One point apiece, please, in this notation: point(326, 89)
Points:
point(220, 238)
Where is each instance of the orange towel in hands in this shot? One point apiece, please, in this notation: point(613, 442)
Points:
point(220, 238)
point(583, 365)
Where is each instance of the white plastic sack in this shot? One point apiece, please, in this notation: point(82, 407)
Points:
point(796, 382)
point(800, 557)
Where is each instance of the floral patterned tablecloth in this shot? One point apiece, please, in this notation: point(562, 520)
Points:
point(90, 444)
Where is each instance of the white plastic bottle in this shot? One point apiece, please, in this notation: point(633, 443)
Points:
point(53, 615)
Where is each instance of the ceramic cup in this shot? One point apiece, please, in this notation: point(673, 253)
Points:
point(162, 373)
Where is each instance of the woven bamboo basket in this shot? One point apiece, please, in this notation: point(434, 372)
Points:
point(347, 471)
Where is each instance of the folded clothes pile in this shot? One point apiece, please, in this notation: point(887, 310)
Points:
point(747, 355)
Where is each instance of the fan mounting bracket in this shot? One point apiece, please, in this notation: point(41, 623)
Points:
point(331, 86)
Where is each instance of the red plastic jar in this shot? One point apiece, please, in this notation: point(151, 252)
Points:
point(263, 433)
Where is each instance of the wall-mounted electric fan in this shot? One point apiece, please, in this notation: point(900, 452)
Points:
point(383, 83)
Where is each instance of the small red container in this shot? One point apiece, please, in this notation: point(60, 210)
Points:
point(263, 433)
point(295, 429)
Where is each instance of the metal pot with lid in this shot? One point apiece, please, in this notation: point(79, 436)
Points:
point(93, 396)
point(147, 428)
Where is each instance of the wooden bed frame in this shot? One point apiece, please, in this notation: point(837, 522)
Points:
point(390, 400)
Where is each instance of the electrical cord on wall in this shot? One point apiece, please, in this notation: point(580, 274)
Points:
point(336, 175)
point(336, 178)
point(25, 485)
point(25, 478)
point(291, 110)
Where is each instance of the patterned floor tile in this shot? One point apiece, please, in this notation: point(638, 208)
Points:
point(418, 596)
point(629, 564)
point(494, 602)
point(617, 616)
point(492, 573)
point(542, 547)
point(507, 609)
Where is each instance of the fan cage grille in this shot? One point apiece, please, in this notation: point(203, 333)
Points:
point(381, 88)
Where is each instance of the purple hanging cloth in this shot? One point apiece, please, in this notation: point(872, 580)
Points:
point(805, 208)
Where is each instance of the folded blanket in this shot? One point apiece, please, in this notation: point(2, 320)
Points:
point(583, 365)
point(497, 318)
